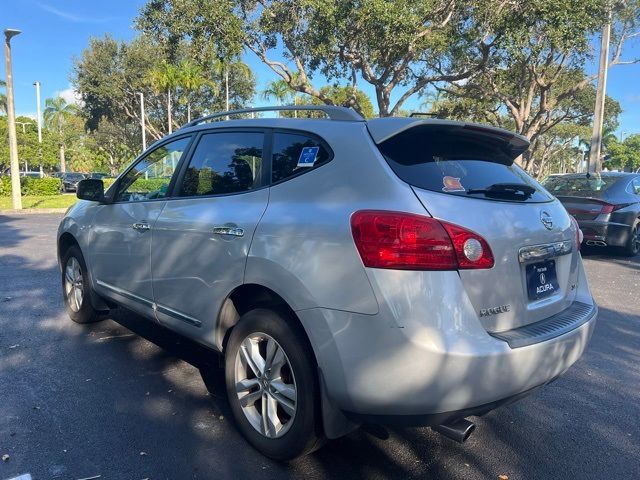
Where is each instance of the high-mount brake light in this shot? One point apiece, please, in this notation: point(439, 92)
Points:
point(405, 241)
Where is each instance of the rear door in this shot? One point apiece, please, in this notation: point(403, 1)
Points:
point(467, 177)
point(202, 238)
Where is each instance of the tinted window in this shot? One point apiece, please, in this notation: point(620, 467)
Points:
point(635, 186)
point(467, 166)
point(224, 163)
point(295, 153)
point(150, 177)
point(594, 186)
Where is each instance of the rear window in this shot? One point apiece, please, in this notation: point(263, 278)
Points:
point(461, 164)
point(579, 186)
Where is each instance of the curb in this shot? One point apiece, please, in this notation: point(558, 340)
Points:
point(31, 211)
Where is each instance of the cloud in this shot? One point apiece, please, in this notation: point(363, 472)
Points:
point(72, 17)
point(632, 97)
point(70, 96)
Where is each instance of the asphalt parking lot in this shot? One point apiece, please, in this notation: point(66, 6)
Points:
point(123, 399)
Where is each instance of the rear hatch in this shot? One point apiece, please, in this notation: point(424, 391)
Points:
point(464, 174)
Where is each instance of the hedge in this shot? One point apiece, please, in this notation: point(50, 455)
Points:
point(32, 186)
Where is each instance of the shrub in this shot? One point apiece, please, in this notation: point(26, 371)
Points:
point(31, 186)
point(40, 186)
point(5, 186)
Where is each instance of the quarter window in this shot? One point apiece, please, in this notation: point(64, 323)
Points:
point(295, 153)
point(224, 163)
point(149, 178)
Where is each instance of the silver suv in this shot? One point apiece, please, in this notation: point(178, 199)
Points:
point(395, 270)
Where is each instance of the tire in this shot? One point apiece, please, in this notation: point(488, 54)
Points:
point(76, 288)
point(289, 436)
point(632, 248)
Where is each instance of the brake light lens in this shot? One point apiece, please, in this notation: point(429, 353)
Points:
point(405, 241)
point(607, 208)
point(579, 234)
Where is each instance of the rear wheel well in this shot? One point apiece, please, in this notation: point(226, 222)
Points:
point(249, 297)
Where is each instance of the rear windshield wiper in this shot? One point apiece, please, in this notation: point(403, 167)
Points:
point(516, 191)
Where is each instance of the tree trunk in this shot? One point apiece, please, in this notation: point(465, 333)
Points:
point(169, 110)
point(63, 164)
point(189, 112)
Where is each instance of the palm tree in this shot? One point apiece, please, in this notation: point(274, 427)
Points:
point(191, 78)
point(164, 78)
point(3, 98)
point(56, 114)
point(222, 67)
point(278, 89)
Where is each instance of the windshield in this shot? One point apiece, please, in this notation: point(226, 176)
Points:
point(74, 176)
point(582, 186)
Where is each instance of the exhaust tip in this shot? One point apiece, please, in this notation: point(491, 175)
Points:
point(459, 430)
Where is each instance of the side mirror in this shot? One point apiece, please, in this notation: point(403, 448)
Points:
point(90, 189)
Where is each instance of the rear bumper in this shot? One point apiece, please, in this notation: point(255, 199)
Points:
point(611, 233)
point(429, 362)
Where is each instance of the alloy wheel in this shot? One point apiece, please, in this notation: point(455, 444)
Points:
point(265, 384)
point(73, 284)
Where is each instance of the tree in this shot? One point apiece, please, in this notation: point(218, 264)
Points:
point(345, 96)
point(393, 45)
point(536, 71)
point(191, 79)
point(109, 74)
point(165, 78)
point(57, 113)
point(278, 90)
point(624, 155)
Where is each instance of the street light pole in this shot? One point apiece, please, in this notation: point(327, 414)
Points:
point(601, 93)
point(11, 118)
point(142, 124)
point(37, 85)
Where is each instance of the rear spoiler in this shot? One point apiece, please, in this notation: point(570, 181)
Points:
point(382, 129)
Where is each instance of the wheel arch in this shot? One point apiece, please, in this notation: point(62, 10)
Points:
point(247, 297)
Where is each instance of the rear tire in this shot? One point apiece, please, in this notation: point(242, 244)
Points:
point(632, 248)
point(76, 288)
point(269, 369)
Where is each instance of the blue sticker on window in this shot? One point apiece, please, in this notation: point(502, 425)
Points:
point(308, 156)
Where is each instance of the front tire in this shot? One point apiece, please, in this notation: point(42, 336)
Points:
point(272, 386)
point(76, 288)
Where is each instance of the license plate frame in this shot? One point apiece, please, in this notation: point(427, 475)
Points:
point(542, 279)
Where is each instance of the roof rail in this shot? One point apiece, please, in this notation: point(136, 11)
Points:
point(332, 111)
point(423, 114)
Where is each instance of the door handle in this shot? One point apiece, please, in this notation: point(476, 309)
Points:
point(141, 226)
point(231, 231)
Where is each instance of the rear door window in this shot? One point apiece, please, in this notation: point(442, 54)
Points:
point(224, 163)
point(296, 153)
point(460, 164)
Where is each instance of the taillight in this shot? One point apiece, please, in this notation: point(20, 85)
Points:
point(607, 208)
point(406, 241)
point(579, 235)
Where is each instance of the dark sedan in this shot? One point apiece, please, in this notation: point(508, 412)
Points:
point(606, 206)
point(70, 181)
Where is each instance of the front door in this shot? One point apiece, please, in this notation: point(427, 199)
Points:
point(201, 239)
point(121, 232)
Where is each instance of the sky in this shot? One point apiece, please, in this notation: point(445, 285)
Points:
point(54, 32)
